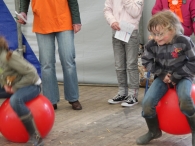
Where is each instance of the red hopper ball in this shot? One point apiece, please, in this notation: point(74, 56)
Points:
point(12, 128)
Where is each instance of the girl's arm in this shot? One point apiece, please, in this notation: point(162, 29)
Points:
point(108, 12)
point(148, 61)
point(188, 69)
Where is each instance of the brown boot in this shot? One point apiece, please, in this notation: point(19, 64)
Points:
point(76, 105)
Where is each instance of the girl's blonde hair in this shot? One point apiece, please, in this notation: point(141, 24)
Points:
point(4, 46)
point(166, 19)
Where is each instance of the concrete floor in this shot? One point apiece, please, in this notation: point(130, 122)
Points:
point(100, 123)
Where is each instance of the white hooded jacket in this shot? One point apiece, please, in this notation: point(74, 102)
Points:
point(123, 10)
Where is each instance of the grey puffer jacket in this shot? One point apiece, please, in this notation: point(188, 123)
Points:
point(176, 58)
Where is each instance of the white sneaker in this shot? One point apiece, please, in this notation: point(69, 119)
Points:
point(117, 99)
point(130, 101)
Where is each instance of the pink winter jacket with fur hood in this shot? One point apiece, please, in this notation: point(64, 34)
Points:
point(126, 10)
point(188, 13)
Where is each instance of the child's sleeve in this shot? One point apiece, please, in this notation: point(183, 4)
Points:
point(188, 69)
point(108, 12)
point(148, 61)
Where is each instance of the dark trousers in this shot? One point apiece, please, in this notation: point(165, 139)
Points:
point(3, 93)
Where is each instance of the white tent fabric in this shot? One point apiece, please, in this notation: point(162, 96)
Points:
point(94, 54)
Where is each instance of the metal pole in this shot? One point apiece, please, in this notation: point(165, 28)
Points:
point(20, 46)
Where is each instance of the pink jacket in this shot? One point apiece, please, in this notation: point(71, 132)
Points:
point(188, 13)
point(126, 10)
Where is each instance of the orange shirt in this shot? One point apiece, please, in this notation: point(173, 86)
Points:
point(51, 16)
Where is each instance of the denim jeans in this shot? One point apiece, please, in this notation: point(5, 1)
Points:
point(158, 89)
point(126, 62)
point(66, 49)
point(21, 96)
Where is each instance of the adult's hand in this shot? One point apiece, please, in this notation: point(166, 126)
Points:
point(77, 27)
point(20, 20)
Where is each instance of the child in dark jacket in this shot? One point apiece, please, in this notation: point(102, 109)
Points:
point(170, 56)
point(20, 79)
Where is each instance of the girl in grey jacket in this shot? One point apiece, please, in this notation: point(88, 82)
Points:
point(20, 79)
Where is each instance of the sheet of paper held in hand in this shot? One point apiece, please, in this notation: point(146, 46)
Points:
point(125, 32)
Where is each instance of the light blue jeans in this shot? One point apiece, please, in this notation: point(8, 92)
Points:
point(21, 96)
point(66, 49)
point(126, 62)
point(158, 89)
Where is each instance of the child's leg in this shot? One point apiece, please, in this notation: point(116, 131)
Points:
point(17, 102)
point(151, 99)
point(131, 55)
point(120, 65)
point(30, 126)
point(186, 104)
point(131, 49)
point(21, 96)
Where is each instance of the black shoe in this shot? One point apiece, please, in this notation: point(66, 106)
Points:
point(55, 106)
point(117, 99)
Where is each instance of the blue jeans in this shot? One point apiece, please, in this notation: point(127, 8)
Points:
point(21, 96)
point(66, 49)
point(126, 62)
point(158, 89)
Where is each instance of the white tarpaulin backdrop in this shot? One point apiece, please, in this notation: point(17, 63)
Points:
point(94, 54)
